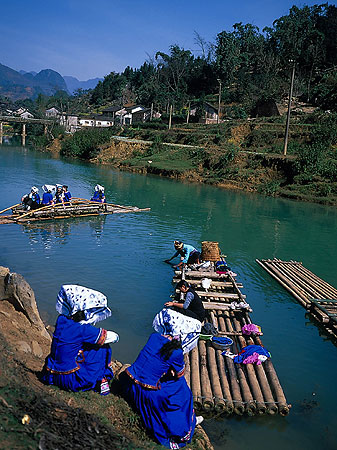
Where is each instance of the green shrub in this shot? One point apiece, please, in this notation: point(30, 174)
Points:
point(269, 188)
point(86, 143)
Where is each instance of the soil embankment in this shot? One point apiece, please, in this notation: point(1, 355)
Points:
point(33, 415)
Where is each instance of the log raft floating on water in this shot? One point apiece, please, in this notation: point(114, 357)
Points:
point(76, 208)
point(316, 295)
point(220, 386)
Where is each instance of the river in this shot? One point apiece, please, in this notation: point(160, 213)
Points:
point(121, 255)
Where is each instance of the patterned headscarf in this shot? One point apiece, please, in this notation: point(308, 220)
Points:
point(171, 322)
point(73, 298)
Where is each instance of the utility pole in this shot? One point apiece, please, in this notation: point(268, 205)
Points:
point(188, 112)
point(289, 108)
point(219, 103)
point(151, 114)
point(170, 119)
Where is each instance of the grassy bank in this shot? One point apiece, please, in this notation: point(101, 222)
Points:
point(241, 154)
point(33, 415)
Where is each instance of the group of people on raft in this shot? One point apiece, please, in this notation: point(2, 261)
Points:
point(80, 357)
point(53, 195)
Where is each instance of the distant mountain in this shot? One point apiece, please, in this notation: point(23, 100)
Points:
point(50, 81)
point(18, 86)
point(14, 85)
point(73, 83)
point(23, 72)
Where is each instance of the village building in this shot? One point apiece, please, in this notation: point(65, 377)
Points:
point(96, 121)
point(69, 122)
point(52, 112)
point(26, 115)
point(207, 113)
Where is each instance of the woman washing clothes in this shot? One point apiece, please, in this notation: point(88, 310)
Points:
point(155, 383)
point(80, 357)
point(188, 254)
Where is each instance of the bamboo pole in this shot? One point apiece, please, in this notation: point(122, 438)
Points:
point(34, 219)
point(215, 377)
point(99, 203)
point(294, 292)
point(325, 288)
point(206, 390)
point(274, 382)
point(295, 281)
point(226, 393)
point(195, 378)
point(253, 382)
point(240, 393)
point(245, 389)
point(57, 206)
point(242, 297)
point(272, 408)
point(187, 373)
point(7, 209)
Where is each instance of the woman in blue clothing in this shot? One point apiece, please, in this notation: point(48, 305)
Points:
point(188, 254)
point(66, 194)
point(99, 195)
point(47, 198)
point(31, 200)
point(156, 387)
point(80, 357)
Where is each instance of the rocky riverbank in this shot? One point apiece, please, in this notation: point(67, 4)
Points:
point(33, 415)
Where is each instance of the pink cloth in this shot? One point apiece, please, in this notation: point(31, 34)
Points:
point(251, 328)
point(253, 359)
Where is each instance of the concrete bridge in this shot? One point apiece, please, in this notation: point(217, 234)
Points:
point(9, 119)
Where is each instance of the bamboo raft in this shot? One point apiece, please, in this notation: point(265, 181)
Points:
point(75, 208)
point(317, 296)
point(220, 386)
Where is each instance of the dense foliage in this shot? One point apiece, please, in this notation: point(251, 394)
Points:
point(250, 64)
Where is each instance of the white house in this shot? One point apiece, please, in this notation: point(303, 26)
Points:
point(70, 122)
point(52, 112)
point(99, 121)
point(26, 115)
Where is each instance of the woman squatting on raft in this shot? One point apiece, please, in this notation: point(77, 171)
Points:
point(192, 306)
point(155, 385)
point(188, 254)
point(80, 356)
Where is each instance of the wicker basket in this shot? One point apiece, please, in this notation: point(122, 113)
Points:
point(210, 251)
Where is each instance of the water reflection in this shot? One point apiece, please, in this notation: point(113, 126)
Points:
point(53, 233)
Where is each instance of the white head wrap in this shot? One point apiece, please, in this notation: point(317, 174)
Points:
point(34, 189)
point(169, 321)
point(99, 188)
point(73, 298)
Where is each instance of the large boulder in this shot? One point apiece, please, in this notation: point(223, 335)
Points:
point(15, 289)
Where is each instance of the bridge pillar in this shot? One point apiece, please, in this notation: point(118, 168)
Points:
point(23, 135)
point(1, 132)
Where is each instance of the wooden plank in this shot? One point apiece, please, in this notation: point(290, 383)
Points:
point(222, 307)
point(225, 284)
point(199, 274)
point(222, 295)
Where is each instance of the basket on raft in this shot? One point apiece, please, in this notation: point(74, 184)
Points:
point(210, 251)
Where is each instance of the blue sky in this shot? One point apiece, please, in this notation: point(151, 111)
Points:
point(87, 38)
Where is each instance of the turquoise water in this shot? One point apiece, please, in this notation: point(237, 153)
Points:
point(121, 255)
